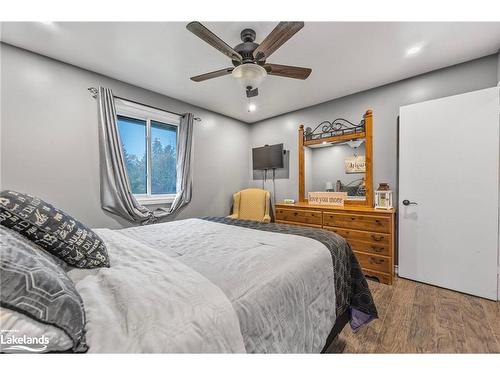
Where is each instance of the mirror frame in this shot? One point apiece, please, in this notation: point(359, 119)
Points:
point(367, 135)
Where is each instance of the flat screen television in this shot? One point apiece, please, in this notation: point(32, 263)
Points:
point(268, 157)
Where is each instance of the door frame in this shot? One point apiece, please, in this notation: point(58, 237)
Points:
point(399, 196)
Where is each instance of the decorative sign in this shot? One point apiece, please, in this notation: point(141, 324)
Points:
point(328, 198)
point(355, 164)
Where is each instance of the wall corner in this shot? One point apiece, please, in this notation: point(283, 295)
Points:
point(498, 67)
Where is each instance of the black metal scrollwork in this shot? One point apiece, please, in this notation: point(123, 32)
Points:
point(334, 128)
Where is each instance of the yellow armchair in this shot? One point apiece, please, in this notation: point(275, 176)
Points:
point(251, 204)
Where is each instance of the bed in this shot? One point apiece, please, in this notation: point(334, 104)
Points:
point(201, 285)
point(222, 285)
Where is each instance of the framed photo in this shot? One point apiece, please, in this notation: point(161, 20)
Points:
point(355, 164)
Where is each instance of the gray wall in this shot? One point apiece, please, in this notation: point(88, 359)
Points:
point(498, 67)
point(385, 102)
point(49, 143)
point(49, 132)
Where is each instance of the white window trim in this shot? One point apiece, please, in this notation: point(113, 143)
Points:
point(146, 200)
point(148, 114)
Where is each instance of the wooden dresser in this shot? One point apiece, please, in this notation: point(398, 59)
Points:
point(370, 232)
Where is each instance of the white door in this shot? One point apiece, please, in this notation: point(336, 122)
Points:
point(448, 167)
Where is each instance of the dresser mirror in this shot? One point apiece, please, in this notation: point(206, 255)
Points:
point(337, 156)
point(337, 167)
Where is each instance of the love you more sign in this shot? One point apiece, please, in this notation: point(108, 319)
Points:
point(329, 198)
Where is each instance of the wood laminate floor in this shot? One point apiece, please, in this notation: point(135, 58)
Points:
point(420, 318)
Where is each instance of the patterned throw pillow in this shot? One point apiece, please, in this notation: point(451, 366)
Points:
point(33, 284)
point(52, 229)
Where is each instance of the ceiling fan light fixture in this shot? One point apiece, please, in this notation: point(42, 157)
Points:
point(249, 75)
point(250, 58)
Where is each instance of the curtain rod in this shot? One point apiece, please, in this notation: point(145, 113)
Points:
point(94, 93)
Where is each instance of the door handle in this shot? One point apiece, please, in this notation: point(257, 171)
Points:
point(406, 202)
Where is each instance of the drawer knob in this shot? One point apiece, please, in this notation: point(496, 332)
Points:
point(377, 238)
point(377, 249)
point(376, 261)
point(295, 213)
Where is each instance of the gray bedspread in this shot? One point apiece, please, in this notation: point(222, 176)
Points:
point(221, 285)
point(149, 302)
point(351, 289)
point(287, 284)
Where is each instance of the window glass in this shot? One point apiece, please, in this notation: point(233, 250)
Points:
point(133, 138)
point(163, 158)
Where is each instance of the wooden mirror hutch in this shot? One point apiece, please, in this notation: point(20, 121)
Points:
point(369, 231)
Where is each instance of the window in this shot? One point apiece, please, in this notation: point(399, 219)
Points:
point(149, 142)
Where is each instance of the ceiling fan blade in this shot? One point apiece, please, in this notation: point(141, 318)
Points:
point(215, 74)
point(281, 33)
point(206, 35)
point(287, 71)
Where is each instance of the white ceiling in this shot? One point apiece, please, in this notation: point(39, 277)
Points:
point(345, 57)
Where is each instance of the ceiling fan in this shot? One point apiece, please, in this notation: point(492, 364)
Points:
point(249, 58)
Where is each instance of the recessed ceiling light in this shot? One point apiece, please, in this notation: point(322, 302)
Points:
point(413, 50)
point(252, 107)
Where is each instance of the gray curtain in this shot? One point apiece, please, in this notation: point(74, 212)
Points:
point(116, 196)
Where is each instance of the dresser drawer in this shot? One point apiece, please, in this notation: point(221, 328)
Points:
point(356, 221)
point(297, 223)
point(361, 235)
point(380, 276)
point(370, 247)
point(299, 216)
point(374, 262)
